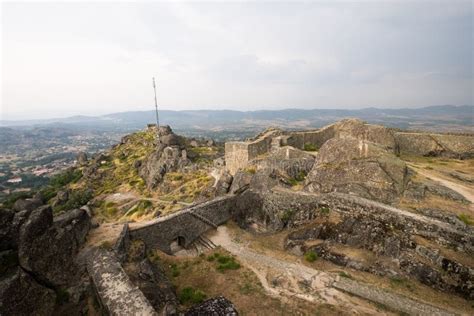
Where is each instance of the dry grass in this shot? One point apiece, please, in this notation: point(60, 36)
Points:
point(241, 286)
point(273, 245)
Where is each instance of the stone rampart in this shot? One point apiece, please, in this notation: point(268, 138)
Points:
point(183, 226)
point(117, 294)
point(238, 154)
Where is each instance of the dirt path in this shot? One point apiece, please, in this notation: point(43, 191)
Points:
point(106, 232)
point(464, 190)
point(284, 279)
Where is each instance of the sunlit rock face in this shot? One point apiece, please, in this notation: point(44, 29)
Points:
point(351, 165)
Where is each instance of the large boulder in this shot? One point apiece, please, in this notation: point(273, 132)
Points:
point(223, 183)
point(163, 160)
point(240, 182)
point(6, 219)
point(47, 249)
point(20, 294)
point(214, 306)
point(82, 158)
point(454, 146)
point(151, 279)
point(27, 204)
point(358, 167)
point(355, 128)
point(170, 155)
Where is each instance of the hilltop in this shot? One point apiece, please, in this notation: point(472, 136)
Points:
point(352, 207)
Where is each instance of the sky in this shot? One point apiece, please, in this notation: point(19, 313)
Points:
point(91, 58)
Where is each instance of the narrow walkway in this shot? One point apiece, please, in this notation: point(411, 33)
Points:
point(283, 278)
point(464, 190)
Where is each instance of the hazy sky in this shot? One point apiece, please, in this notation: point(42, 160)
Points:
point(61, 59)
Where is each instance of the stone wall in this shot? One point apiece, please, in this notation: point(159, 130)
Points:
point(238, 154)
point(447, 145)
point(117, 294)
point(183, 225)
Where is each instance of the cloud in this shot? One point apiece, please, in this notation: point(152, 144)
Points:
point(92, 58)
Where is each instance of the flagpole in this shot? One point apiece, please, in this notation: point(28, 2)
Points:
point(156, 105)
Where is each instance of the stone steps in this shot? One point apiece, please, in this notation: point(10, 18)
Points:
point(203, 219)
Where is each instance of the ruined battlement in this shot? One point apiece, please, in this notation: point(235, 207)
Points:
point(238, 154)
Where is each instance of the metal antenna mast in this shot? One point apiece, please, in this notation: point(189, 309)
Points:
point(156, 105)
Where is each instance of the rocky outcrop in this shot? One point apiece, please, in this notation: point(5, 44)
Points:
point(421, 144)
point(82, 158)
point(38, 258)
point(20, 294)
point(214, 306)
point(358, 167)
point(27, 204)
point(358, 129)
point(47, 249)
point(223, 183)
point(150, 279)
point(170, 155)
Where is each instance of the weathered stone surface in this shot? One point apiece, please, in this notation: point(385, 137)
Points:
point(455, 146)
point(76, 221)
point(62, 197)
point(20, 294)
point(170, 155)
point(354, 166)
point(48, 250)
point(6, 236)
point(223, 183)
point(355, 128)
point(150, 279)
point(287, 161)
point(418, 191)
point(240, 181)
point(8, 260)
point(27, 204)
point(118, 294)
point(82, 158)
point(238, 154)
point(214, 306)
point(394, 301)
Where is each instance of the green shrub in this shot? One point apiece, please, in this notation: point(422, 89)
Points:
point(224, 262)
point(66, 177)
point(343, 274)
point(324, 210)
point(174, 270)
point(311, 256)
point(287, 215)
point(12, 198)
point(293, 181)
point(310, 147)
point(250, 170)
point(190, 295)
point(76, 199)
point(468, 220)
point(301, 176)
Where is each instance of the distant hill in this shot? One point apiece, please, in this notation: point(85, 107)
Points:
point(434, 118)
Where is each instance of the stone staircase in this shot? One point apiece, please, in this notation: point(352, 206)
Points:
point(202, 244)
point(203, 219)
